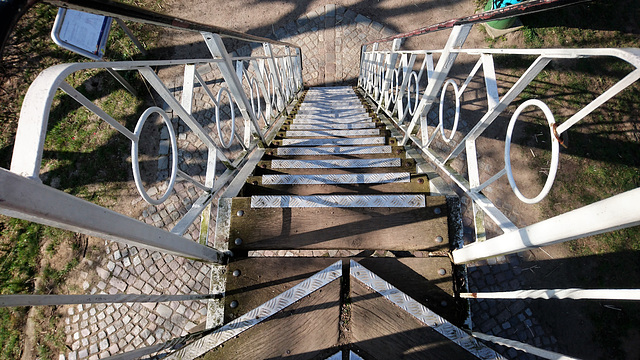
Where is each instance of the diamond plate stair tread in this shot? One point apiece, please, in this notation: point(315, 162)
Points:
point(328, 132)
point(315, 119)
point(339, 201)
point(336, 150)
point(380, 188)
point(334, 163)
point(326, 179)
point(264, 167)
point(321, 126)
point(307, 329)
point(339, 228)
point(333, 113)
point(381, 329)
point(404, 273)
point(255, 286)
point(268, 155)
point(378, 140)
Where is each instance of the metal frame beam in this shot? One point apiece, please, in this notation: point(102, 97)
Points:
point(29, 200)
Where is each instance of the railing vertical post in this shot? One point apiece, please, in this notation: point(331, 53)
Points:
point(371, 68)
point(293, 68)
point(363, 54)
point(474, 181)
point(268, 51)
point(390, 65)
point(217, 49)
point(187, 88)
point(257, 70)
point(447, 58)
point(247, 124)
point(406, 75)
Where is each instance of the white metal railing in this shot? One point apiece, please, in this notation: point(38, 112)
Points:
point(248, 83)
point(254, 91)
point(392, 80)
point(404, 85)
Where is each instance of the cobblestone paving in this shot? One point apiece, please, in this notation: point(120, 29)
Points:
point(330, 38)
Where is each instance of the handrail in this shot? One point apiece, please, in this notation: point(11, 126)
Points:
point(524, 8)
point(137, 14)
point(12, 10)
point(389, 79)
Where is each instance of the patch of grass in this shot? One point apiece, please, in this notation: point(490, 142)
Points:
point(531, 38)
point(83, 156)
point(11, 323)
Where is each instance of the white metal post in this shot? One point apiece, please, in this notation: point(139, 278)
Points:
point(406, 75)
point(447, 58)
point(217, 49)
point(276, 75)
point(390, 65)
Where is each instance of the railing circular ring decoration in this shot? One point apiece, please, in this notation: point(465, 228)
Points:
point(233, 117)
point(456, 116)
point(255, 100)
point(272, 91)
point(412, 109)
point(394, 86)
point(135, 162)
point(555, 149)
point(287, 77)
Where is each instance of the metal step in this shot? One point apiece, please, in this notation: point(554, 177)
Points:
point(334, 150)
point(335, 141)
point(336, 179)
point(343, 133)
point(339, 201)
point(335, 163)
point(331, 126)
point(315, 119)
point(332, 113)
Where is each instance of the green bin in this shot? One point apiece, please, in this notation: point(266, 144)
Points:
point(496, 4)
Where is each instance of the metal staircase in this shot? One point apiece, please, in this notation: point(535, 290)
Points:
point(334, 180)
point(330, 239)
